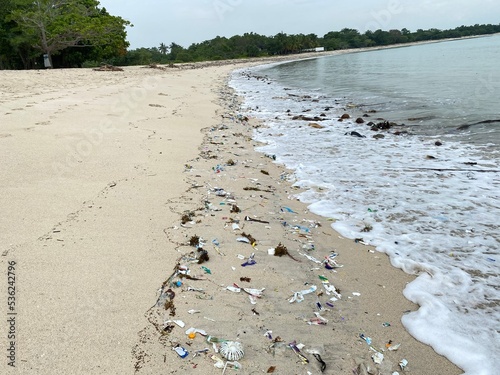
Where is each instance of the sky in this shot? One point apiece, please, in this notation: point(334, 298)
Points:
point(194, 21)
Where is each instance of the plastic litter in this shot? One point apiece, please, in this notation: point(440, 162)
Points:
point(250, 261)
point(248, 218)
point(196, 330)
point(183, 353)
point(288, 209)
point(394, 347)
point(311, 258)
point(403, 363)
point(296, 350)
point(318, 320)
point(367, 339)
point(299, 296)
point(243, 239)
point(207, 270)
point(378, 358)
point(180, 323)
point(233, 289)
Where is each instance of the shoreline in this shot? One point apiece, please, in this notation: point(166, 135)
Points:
point(364, 261)
point(92, 262)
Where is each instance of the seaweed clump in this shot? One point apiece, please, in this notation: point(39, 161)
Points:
point(281, 250)
point(250, 238)
point(194, 241)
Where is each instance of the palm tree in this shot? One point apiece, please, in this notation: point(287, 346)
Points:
point(163, 48)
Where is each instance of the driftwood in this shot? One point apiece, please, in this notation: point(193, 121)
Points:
point(108, 68)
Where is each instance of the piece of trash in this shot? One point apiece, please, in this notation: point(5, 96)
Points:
point(299, 296)
point(250, 261)
point(403, 363)
point(270, 251)
point(296, 350)
point(232, 350)
point(367, 339)
point(183, 353)
point(180, 323)
point(330, 289)
point(219, 363)
point(331, 263)
point(318, 320)
point(243, 239)
point(311, 258)
point(248, 218)
point(194, 312)
point(320, 360)
point(323, 279)
point(378, 358)
point(235, 226)
point(207, 270)
point(254, 292)
point(233, 289)
point(288, 209)
point(394, 347)
point(196, 330)
point(386, 324)
point(302, 228)
point(356, 294)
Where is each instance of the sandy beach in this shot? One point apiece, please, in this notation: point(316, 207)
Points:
point(115, 189)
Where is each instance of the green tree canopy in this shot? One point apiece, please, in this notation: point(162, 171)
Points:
point(51, 26)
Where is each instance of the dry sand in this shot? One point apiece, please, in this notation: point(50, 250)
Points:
point(98, 169)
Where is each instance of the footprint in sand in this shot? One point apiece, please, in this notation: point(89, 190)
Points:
point(6, 135)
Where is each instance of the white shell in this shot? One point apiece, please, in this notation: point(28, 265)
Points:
point(232, 350)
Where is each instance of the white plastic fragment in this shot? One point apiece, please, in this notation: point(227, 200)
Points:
point(299, 296)
point(403, 363)
point(394, 347)
point(196, 330)
point(233, 289)
point(356, 294)
point(235, 226)
point(311, 258)
point(271, 251)
point(243, 239)
point(180, 323)
point(330, 289)
point(378, 358)
point(193, 312)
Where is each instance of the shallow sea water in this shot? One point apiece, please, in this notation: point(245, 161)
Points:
point(433, 209)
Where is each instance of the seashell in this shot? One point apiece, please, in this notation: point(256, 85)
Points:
point(232, 350)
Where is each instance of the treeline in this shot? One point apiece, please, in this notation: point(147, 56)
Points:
point(255, 45)
point(79, 33)
point(60, 33)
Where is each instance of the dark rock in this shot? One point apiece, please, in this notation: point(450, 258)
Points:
point(355, 134)
point(359, 120)
point(345, 116)
point(378, 136)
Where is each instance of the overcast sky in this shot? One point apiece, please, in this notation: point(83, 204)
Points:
point(192, 21)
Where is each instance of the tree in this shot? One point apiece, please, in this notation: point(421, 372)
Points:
point(163, 48)
point(51, 26)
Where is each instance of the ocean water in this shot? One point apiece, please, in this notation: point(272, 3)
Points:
point(427, 194)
